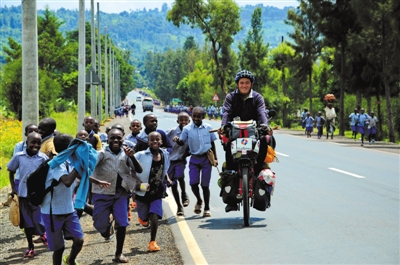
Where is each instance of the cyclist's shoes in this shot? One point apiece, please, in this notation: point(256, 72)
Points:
point(231, 207)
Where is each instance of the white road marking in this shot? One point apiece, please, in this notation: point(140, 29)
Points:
point(347, 173)
point(191, 243)
point(281, 154)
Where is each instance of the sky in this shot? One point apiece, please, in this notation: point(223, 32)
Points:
point(117, 6)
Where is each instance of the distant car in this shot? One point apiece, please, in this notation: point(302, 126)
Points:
point(148, 104)
point(156, 102)
point(138, 99)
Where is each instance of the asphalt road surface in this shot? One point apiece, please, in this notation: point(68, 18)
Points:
point(334, 202)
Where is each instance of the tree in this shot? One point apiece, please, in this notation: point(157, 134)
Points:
point(306, 43)
point(335, 19)
point(218, 20)
point(14, 51)
point(253, 51)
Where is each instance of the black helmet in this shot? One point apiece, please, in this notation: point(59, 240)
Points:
point(245, 74)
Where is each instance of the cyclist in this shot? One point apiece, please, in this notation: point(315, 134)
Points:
point(246, 104)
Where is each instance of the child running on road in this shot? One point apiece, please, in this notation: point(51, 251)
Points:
point(64, 217)
point(176, 171)
point(155, 162)
point(46, 129)
point(28, 161)
point(200, 140)
point(115, 164)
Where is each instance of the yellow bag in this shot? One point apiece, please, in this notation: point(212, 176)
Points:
point(14, 210)
point(271, 155)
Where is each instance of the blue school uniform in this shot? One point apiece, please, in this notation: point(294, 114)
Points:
point(362, 122)
point(199, 140)
point(19, 147)
point(65, 219)
point(353, 121)
point(178, 155)
point(29, 214)
point(309, 121)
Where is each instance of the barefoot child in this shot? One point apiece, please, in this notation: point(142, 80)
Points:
point(200, 140)
point(64, 217)
point(115, 164)
point(155, 163)
point(176, 171)
point(28, 161)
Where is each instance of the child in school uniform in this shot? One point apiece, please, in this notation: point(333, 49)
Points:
point(200, 140)
point(176, 171)
point(28, 161)
point(94, 139)
point(155, 162)
point(116, 164)
point(21, 146)
point(319, 122)
point(309, 122)
point(46, 129)
point(135, 127)
point(150, 123)
point(63, 222)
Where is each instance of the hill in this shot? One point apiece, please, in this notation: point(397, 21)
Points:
point(144, 30)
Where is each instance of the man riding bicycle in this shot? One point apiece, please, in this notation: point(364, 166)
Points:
point(243, 104)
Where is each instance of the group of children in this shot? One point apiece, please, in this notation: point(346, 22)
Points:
point(361, 122)
point(141, 165)
point(308, 123)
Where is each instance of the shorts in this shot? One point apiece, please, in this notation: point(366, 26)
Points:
point(176, 170)
point(372, 130)
point(353, 128)
point(65, 226)
point(361, 129)
point(104, 205)
point(200, 164)
point(309, 129)
point(30, 216)
point(145, 208)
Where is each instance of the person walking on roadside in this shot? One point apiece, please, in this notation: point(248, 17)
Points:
point(372, 127)
point(363, 122)
point(353, 123)
point(319, 123)
point(309, 122)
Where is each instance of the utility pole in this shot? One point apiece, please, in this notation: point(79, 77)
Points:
point(106, 108)
point(93, 48)
point(30, 62)
point(81, 65)
point(112, 88)
point(100, 91)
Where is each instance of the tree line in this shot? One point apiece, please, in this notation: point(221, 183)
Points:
point(349, 48)
point(58, 68)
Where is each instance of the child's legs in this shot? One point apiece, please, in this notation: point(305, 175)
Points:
point(30, 220)
point(120, 208)
point(155, 213)
point(194, 176)
point(103, 206)
point(205, 182)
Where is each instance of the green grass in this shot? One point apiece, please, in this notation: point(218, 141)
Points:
point(67, 122)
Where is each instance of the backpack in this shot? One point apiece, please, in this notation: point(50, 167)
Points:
point(36, 184)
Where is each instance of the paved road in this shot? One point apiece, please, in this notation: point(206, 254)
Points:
point(334, 202)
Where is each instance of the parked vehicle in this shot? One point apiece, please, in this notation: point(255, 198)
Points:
point(147, 104)
point(138, 99)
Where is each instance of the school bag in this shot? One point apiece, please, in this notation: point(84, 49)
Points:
point(36, 184)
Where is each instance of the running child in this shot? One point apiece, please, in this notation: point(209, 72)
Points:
point(135, 127)
point(94, 139)
point(116, 164)
point(150, 123)
point(64, 217)
point(353, 123)
point(155, 163)
point(28, 161)
point(176, 171)
point(21, 146)
point(199, 140)
point(46, 129)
